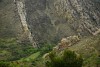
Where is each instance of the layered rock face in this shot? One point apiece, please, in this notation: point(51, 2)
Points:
point(82, 16)
point(49, 20)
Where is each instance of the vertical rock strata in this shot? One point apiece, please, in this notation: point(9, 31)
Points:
point(22, 13)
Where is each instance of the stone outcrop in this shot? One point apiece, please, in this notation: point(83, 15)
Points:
point(26, 32)
point(67, 42)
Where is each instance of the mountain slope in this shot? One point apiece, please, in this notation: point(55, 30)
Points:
point(54, 19)
point(89, 48)
point(49, 20)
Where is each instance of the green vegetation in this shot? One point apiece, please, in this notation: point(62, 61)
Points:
point(32, 57)
point(19, 54)
point(11, 50)
point(46, 48)
point(25, 55)
point(4, 64)
point(98, 61)
point(67, 59)
point(89, 49)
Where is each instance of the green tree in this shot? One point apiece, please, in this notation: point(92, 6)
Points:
point(66, 59)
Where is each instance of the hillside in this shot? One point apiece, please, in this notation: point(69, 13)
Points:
point(42, 21)
point(54, 19)
point(31, 28)
point(88, 48)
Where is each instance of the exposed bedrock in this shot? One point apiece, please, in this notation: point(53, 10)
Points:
point(43, 21)
point(50, 20)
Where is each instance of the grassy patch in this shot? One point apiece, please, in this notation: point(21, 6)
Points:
point(31, 57)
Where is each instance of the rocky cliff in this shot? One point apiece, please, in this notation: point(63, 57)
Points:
point(53, 19)
point(50, 20)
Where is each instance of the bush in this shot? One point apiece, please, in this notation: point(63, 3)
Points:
point(66, 59)
point(98, 61)
point(4, 64)
point(46, 48)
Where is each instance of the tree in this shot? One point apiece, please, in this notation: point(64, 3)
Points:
point(66, 59)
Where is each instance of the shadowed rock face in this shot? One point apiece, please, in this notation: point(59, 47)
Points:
point(39, 22)
point(51, 20)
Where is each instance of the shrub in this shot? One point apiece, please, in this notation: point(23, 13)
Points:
point(98, 61)
point(4, 64)
point(46, 48)
point(67, 59)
